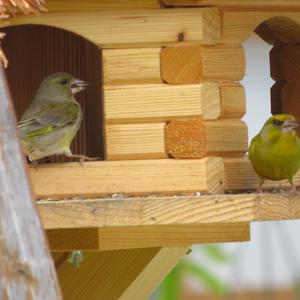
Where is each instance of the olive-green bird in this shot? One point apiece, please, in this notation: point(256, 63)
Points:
point(275, 150)
point(53, 119)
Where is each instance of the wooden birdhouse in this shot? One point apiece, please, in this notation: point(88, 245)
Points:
point(163, 111)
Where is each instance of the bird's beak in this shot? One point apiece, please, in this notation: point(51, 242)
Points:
point(289, 125)
point(78, 85)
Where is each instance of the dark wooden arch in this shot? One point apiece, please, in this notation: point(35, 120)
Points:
point(34, 51)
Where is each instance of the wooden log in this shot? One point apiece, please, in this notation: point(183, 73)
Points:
point(197, 138)
point(131, 66)
point(238, 25)
point(125, 274)
point(161, 102)
point(132, 28)
point(26, 269)
point(176, 211)
point(239, 175)
point(265, 4)
point(129, 177)
point(192, 64)
point(92, 5)
point(233, 100)
point(135, 141)
point(134, 237)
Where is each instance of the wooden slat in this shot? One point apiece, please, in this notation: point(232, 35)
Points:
point(192, 64)
point(239, 175)
point(129, 66)
point(180, 210)
point(238, 25)
point(233, 100)
point(135, 141)
point(116, 274)
point(131, 177)
point(92, 5)
point(276, 99)
point(133, 237)
point(26, 269)
point(161, 102)
point(131, 28)
point(197, 138)
point(236, 3)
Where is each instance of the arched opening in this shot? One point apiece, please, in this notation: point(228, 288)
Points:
point(34, 51)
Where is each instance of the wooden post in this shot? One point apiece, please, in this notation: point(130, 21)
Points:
point(26, 269)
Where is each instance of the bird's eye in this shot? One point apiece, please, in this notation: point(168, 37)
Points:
point(277, 122)
point(64, 81)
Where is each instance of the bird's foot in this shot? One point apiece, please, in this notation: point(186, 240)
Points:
point(259, 190)
point(293, 190)
point(83, 158)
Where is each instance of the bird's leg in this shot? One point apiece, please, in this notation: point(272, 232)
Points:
point(259, 189)
point(81, 157)
point(293, 190)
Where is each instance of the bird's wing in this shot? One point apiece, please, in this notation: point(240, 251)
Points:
point(50, 119)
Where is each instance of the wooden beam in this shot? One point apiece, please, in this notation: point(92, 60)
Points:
point(265, 4)
point(26, 269)
point(239, 175)
point(132, 28)
point(161, 102)
point(92, 5)
point(180, 210)
point(131, 66)
point(123, 274)
point(145, 236)
point(129, 177)
point(197, 138)
point(192, 64)
point(238, 25)
point(135, 141)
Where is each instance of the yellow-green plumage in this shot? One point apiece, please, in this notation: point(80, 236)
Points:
point(275, 150)
point(53, 119)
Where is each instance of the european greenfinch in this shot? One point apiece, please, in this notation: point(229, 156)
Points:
point(275, 151)
point(53, 119)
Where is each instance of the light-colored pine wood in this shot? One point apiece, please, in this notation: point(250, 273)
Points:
point(116, 274)
point(92, 5)
point(179, 210)
point(26, 269)
point(239, 175)
point(135, 141)
point(233, 101)
point(238, 25)
point(132, 28)
point(236, 3)
point(133, 237)
point(130, 177)
point(161, 102)
point(192, 64)
point(129, 66)
point(197, 138)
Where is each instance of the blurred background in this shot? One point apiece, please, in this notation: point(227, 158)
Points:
point(268, 267)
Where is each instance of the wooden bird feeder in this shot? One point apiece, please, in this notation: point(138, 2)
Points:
point(164, 113)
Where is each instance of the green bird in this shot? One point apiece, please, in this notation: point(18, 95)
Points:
point(53, 119)
point(275, 151)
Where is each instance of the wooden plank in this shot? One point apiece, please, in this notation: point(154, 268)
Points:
point(233, 100)
point(192, 64)
point(238, 25)
point(133, 237)
point(116, 274)
point(276, 100)
point(132, 28)
point(26, 269)
point(275, 63)
point(197, 138)
point(161, 102)
point(135, 141)
point(267, 4)
point(131, 66)
point(290, 62)
point(129, 177)
point(179, 210)
point(239, 175)
point(92, 5)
